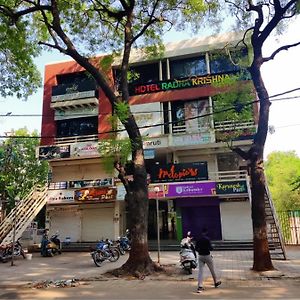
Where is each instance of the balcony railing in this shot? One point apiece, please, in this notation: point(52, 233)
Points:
point(233, 125)
point(76, 139)
point(228, 175)
point(177, 129)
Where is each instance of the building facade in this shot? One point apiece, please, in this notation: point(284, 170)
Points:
point(193, 175)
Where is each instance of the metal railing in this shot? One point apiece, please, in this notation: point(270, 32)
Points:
point(76, 139)
point(229, 175)
point(233, 125)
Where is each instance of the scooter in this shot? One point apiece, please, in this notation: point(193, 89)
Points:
point(51, 246)
point(188, 254)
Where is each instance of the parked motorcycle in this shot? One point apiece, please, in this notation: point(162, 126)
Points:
point(123, 243)
point(52, 246)
point(104, 251)
point(6, 251)
point(188, 254)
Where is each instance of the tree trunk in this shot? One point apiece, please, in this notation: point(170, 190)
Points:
point(261, 256)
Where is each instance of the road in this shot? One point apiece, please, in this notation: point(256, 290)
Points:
point(157, 289)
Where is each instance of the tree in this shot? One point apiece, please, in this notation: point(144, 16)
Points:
point(260, 21)
point(79, 29)
point(20, 170)
point(282, 170)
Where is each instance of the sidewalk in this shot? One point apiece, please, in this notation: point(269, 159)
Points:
point(230, 265)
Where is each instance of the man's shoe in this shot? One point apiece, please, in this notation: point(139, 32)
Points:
point(200, 289)
point(217, 284)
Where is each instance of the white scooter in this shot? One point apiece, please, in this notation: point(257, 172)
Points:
point(188, 254)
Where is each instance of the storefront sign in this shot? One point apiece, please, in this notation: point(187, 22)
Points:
point(95, 194)
point(84, 149)
point(179, 172)
point(156, 191)
point(193, 139)
point(149, 153)
point(54, 152)
point(190, 189)
point(90, 183)
point(231, 187)
point(155, 143)
point(175, 84)
point(77, 112)
point(121, 191)
point(148, 118)
point(60, 196)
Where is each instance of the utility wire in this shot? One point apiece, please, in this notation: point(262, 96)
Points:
point(149, 111)
point(169, 122)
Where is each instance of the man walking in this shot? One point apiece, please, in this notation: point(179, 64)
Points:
point(203, 247)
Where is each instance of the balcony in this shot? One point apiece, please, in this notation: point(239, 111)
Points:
point(76, 139)
point(76, 95)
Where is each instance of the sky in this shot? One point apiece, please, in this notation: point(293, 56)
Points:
point(280, 75)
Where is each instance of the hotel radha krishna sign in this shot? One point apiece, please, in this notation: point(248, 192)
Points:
point(175, 84)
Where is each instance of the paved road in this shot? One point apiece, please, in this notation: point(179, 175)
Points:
point(152, 289)
point(232, 266)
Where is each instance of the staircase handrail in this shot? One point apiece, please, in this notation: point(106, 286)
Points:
point(276, 220)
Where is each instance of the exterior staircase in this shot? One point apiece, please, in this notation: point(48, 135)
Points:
point(275, 239)
point(22, 214)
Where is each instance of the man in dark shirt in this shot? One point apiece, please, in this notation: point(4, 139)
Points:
point(203, 247)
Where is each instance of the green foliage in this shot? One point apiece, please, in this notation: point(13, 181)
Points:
point(19, 75)
point(114, 150)
point(237, 95)
point(282, 169)
point(20, 170)
point(122, 111)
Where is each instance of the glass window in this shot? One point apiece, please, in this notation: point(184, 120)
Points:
point(221, 62)
point(77, 127)
point(188, 67)
point(144, 74)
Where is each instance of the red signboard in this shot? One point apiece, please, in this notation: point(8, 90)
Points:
point(95, 194)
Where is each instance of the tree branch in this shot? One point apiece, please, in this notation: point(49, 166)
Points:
point(243, 154)
point(286, 47)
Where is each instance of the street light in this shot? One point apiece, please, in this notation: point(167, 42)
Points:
point(17, 200)
point(156, 190)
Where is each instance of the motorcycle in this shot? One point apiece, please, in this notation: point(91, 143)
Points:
point(123, 243)
point(6, 251)
point(52, 246)
point(188, 254)
point(104, 251)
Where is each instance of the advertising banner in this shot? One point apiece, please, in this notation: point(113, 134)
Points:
point(147, 116)
point(102, 194)
point(54, 152)
point(91, 183)
point(179, 172)
point(231, 187)
point(84, 149)
point(190, 189)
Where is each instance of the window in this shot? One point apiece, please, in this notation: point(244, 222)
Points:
point(144, 74)
point(77, 127)
point(188, 67)
point(190, 116)
point(221, 62)
point(228, 162)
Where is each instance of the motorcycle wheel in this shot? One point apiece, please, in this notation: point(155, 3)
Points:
point(121, 250)
point(97, 258)
point(114, 255)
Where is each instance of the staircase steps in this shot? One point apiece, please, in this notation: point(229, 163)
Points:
point(275, 239)
point(22, 214)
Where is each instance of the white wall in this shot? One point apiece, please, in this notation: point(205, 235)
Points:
point(236, 220)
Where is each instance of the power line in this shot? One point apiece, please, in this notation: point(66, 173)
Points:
point(135, 113)
point(169, 122)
